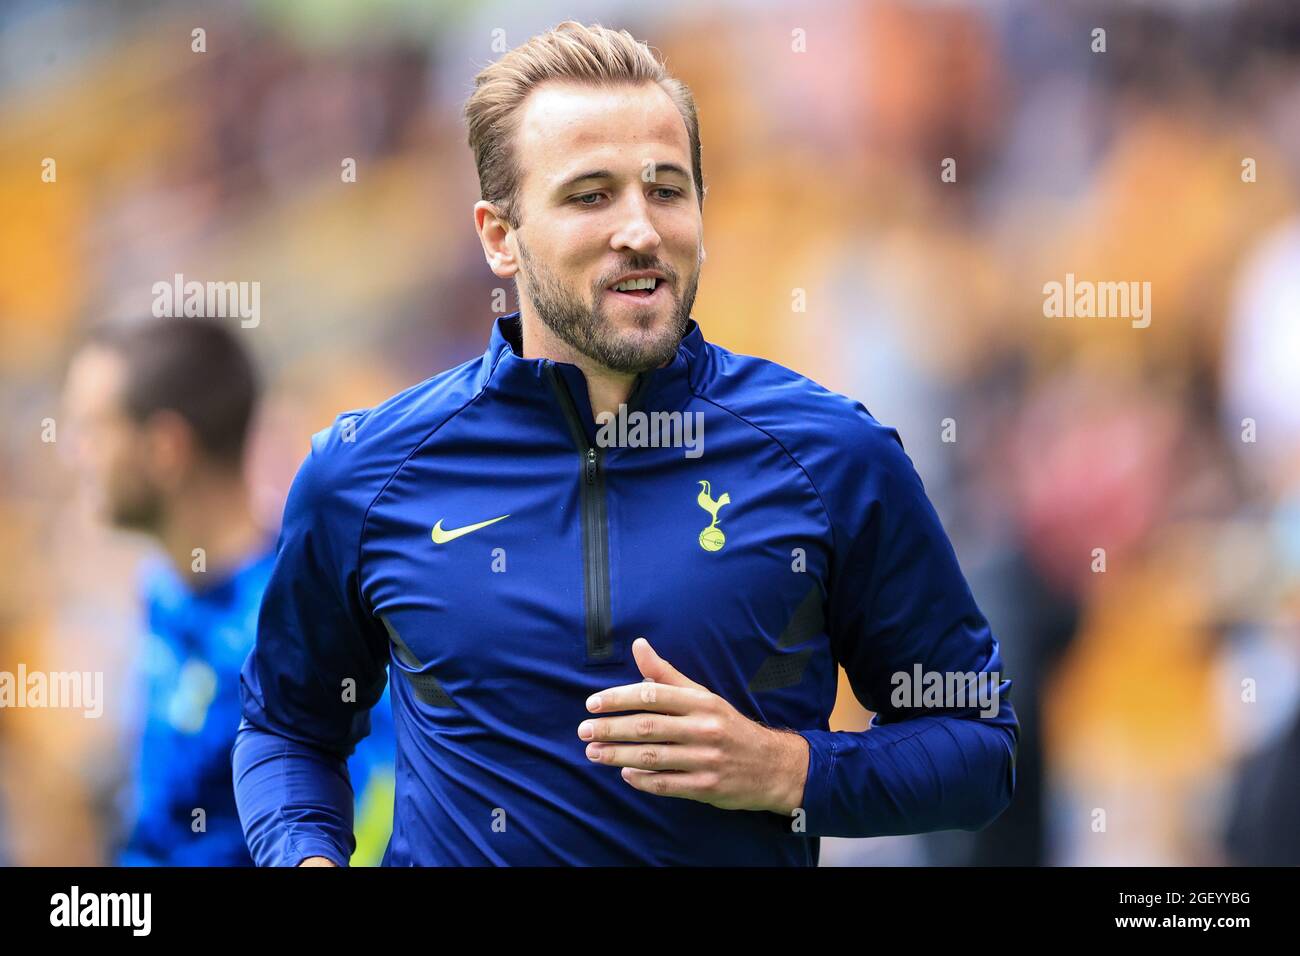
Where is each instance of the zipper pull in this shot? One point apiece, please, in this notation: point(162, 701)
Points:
point(591, 466)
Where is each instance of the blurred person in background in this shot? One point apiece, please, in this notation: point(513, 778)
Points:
point(160, 412)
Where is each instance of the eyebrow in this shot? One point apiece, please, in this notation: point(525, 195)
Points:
point(659, 168)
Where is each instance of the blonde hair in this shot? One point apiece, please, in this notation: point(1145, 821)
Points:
point(571, 51)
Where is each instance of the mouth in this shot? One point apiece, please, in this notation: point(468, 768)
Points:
point(641, 297)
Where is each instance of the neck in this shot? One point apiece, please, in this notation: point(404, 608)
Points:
point(212, 513)
point(606, 388)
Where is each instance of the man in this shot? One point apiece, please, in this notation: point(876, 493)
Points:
point(160, 414)
point(601, 653)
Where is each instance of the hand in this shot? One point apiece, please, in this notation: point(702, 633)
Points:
point(689, 742)
point(317, 861)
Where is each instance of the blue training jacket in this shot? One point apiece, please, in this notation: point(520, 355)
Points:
point(801, 538)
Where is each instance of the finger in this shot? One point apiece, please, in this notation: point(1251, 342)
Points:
point(655, 668)
point(651, 756)
point(697, 785)
point(647, 695)
point(639, 728)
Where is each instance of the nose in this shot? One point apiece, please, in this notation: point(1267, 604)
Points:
point(636, 231)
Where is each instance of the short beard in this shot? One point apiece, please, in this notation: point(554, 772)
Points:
point(140, 511)
point(588, 330)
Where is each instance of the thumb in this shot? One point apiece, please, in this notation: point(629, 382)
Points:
point(655, 668)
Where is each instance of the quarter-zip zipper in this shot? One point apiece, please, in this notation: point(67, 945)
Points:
point(595, 527)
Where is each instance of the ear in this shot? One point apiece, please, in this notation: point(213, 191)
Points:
point(494, 234)
point(170, 449)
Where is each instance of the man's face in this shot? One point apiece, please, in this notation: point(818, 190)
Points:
point(110, 451)
point(634, 208)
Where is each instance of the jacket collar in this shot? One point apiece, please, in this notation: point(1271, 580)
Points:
point(662, 389)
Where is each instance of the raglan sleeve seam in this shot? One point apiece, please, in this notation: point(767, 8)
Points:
point(362, 603)
point(821, 499)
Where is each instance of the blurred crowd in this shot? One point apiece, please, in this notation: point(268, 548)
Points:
point(1125, 501)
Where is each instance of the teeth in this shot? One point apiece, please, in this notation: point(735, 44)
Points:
point(629, 285)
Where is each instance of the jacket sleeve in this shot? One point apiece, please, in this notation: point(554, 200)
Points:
point(940, 751)
point(317, 667)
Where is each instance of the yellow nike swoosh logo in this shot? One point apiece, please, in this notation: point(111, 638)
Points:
point(442, 537)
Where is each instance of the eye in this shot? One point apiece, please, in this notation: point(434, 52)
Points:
point(672, 193)
point(579, 199)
